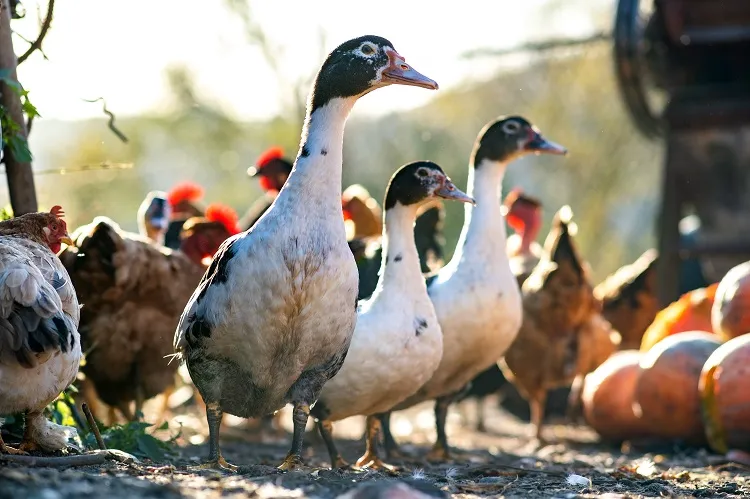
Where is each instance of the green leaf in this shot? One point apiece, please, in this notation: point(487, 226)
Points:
point(150, 447)
point(163, 426)
point(19, 148)
point(29, 108)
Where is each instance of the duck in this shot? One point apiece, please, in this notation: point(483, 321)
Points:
point(475, 295)
point(153, 216)
point(524, 215)
point(397, 343)
point(272, 319)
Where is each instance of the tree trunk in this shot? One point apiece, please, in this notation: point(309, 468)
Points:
point(20, 175)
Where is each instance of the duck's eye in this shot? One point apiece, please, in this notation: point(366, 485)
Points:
point(511, 127)
point(422, 172)
point(367, 49)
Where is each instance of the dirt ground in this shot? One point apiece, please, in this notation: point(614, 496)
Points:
point(505, 462)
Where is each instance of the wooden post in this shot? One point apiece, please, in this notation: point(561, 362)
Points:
point(20, 175)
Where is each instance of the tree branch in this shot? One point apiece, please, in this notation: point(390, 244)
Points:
point(111, 123)
point(37, 44)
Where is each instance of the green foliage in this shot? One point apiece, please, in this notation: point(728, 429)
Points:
point(133, 439)
point(12, 137)
point(6, 213)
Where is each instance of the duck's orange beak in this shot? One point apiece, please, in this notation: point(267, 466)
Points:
point(400, 73)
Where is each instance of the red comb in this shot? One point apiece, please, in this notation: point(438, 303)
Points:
point(225, 215)
point(272, 153)
point(184, 191)
point(57, 211)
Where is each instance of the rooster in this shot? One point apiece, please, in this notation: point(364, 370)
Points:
point(40, 348)
point(134, 291)
point(183, 202)
point(272, 169)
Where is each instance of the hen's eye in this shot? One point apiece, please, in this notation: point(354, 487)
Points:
point(422, 172)
point(368, 49)
point(53, 226)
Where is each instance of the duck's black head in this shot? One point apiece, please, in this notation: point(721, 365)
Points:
point(419, 181)
point(154, 212)
point(361, 65)
point(509, 137)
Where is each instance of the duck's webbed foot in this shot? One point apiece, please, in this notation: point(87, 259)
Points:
point(392, 450)
point(214, 415)
point(300, 414)
point(371, 459)
point(325, 427)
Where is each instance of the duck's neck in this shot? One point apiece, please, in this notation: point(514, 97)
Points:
point(316, 176)
point(483, 234)
point(400, 270)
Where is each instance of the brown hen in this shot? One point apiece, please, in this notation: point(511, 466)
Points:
point(629, 299)
point(563, 335)
point(133, 292)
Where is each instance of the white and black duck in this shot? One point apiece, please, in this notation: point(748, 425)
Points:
point(397, 343)
point(272, 319)
point(476, 296)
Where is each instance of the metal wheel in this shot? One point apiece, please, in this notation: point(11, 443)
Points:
point(638, 58)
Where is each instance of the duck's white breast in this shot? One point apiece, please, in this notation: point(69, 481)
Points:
point(395, 349)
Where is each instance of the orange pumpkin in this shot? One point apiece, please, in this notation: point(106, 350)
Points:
point(608, 397)
point(724, 395)
point(731, 311)
point(692, 312)
point(666, 392)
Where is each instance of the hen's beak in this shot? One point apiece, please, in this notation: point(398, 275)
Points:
point(450, 191)
point(540, 145)
point(67, 240)
point(400, 73)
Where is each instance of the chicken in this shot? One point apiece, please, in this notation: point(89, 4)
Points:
point(184, 204)
point(272, 169)
point(362, 213)
point(562, 336)
point(40, 347)
point(133, 292)
point(525, 218)
point(629, 299)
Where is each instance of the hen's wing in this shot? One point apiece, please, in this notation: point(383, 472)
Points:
point(39, 311)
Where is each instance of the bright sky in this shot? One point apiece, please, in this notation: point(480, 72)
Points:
point(119, 49)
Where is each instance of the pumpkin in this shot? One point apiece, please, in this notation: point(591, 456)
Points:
point(666, 392)
point(725, 400)
point(692, 312)
point(608, 397)
point(730, 314)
